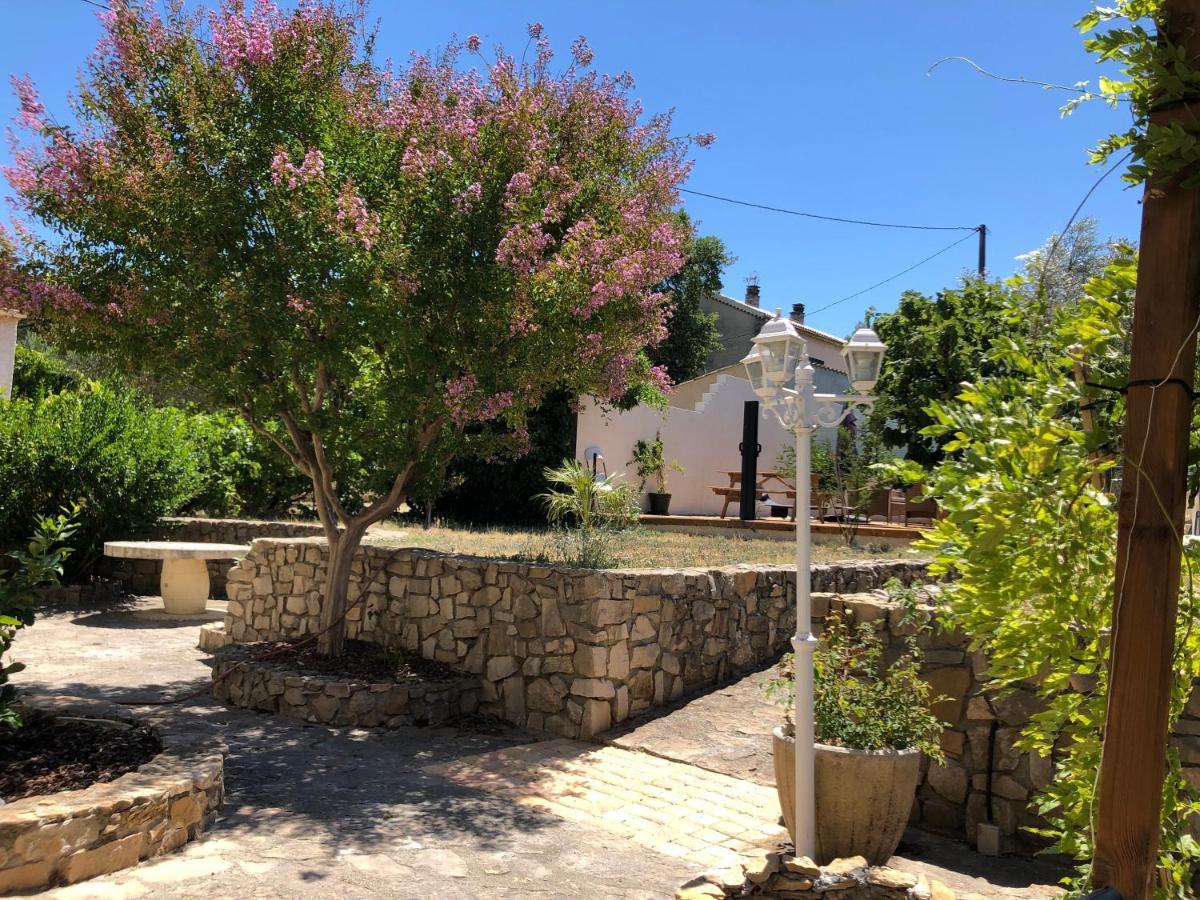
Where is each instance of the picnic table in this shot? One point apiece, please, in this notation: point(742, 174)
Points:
point(766, 485)
point(184, 583)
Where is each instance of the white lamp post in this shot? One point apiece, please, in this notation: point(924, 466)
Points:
point(780, 356)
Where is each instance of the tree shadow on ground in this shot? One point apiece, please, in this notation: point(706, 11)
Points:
point(334, 788)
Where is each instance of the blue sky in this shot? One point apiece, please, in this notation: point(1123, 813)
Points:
point(819, 107)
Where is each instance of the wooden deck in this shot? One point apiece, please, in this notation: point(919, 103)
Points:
point(781, 529)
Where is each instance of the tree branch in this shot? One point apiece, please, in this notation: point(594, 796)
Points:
point(392, 499)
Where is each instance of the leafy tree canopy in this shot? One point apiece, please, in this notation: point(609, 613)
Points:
point(692, 333)
point(362, 260)
point(935, 344)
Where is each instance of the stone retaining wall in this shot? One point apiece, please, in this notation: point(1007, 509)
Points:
point(241, 681)
point(570, 652)
point(73, 835)
point(141, 576)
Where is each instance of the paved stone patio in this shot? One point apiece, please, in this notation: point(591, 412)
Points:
point(704, 818)
point(313, 811)
point(475, 810)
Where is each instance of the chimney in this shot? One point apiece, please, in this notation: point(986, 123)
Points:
point(752, 291)
point(798, 313)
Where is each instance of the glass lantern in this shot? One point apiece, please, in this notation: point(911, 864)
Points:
point(863, 354)
point(754, 371)
point(780, 348)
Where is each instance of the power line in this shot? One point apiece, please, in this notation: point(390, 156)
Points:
point(808, 215)
point(894, 277)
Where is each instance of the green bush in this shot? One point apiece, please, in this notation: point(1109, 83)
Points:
point(40, 563)
point(238, 475)
point(860, 702)
point(36, 374)
point(124, 462)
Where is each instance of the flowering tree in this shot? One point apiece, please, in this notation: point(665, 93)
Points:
point(362, 260)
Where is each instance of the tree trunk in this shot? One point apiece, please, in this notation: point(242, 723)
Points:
point(334, 603)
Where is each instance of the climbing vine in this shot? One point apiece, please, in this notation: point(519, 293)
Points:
point(1030, 536)
point(1156, 76)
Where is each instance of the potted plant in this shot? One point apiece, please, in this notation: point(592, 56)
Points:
point(648, 456)
point(872, 724)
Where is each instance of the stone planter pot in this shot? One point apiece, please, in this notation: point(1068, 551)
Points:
point(660, 504)
point(864, 798)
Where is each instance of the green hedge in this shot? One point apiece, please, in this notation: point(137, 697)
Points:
point(125, 462)
point(102, 448)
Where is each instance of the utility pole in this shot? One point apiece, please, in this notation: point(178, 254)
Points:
point(1150, 512)
point(982, 229)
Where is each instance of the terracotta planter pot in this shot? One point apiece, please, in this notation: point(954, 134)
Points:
point(864, 798)
point(660, 504)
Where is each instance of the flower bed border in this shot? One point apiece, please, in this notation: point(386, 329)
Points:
point(276, 687)
point(69, 836)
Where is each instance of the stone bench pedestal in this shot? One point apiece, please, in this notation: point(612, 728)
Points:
point(184, 584)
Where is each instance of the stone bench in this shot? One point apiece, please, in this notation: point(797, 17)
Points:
point(184, 584)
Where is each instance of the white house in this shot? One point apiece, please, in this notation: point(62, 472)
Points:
point(8, 349)
point(701, 427)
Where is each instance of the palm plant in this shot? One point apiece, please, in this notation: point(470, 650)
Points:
point(588, 509)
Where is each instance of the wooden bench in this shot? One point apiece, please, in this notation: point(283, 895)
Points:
point(184, 581)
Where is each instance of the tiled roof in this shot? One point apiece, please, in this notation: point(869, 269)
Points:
point(766, 314)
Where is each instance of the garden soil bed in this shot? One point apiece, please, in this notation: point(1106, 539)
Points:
point(361, 661)
point(64, 754)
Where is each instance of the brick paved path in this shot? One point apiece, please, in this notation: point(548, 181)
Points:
point(728, 731)
point(447, 813)
point(704, 818)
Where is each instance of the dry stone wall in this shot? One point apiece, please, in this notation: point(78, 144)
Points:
point(570, 652)
point(241, 680)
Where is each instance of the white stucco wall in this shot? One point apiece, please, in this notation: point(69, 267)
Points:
point(8, 349)
point(703, 439)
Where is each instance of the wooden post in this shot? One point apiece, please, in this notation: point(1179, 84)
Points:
point(1150, 516)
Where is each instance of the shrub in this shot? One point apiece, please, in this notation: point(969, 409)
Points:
point(36, 374)
point(589, 512)
point(124, 462)
point(859, 702)
point(238, 475)
point(39, 564)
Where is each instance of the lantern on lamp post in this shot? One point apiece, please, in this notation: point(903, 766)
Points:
point(779, 358)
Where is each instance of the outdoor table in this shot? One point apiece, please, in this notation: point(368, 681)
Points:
point(761, 487)
point(184, 581)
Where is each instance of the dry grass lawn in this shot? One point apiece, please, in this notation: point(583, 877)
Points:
point(640, 548)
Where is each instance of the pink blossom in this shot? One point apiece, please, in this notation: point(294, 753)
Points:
point(616, 376)
point(299, 305)
point(311, 168)
point(535, 30)
point(660, 379)
point(519, 186)
point(469, 197)
point(352, 211)
point(473, 43)
point(705, 139)
point(581, 52)
point(32, 111)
